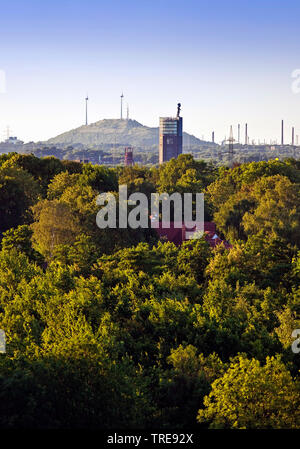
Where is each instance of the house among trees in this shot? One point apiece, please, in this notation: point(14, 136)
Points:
point(177, 235)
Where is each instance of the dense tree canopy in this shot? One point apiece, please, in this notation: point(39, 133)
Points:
point(113, 328)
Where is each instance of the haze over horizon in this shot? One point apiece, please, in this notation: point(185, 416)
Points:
point(226, 62)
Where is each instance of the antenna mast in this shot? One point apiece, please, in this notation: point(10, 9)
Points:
point(230, 150)
point(122, 96)
point(86, 110)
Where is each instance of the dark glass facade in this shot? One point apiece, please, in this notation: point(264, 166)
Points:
point(170, 138)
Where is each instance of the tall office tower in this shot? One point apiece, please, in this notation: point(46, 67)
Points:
point(128, 160)
point(170, 137)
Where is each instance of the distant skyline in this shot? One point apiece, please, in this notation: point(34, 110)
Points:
point(226, 62)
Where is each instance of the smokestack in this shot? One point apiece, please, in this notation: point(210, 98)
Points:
point(293, 135)
point(246, 134)
point(239, 133)
point(282, 132)
point(213, 137)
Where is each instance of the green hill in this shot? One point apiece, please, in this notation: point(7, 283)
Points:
point(116, 131)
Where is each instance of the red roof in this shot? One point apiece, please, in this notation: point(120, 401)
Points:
point(177, 233)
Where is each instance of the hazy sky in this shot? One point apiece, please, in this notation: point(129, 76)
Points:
point(227, 62)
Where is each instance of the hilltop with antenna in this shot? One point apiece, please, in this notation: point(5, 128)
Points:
point(116, 131)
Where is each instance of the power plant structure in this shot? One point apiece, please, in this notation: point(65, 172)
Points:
point(170, 137)
point(128, 159)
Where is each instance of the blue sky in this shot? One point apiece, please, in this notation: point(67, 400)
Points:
point(227, 62)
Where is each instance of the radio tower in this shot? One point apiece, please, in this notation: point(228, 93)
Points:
point(86, 110)
point(122, 96)
point(128, 160)
point(230, 151)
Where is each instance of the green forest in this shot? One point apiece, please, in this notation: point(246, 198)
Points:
point(114, 328)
